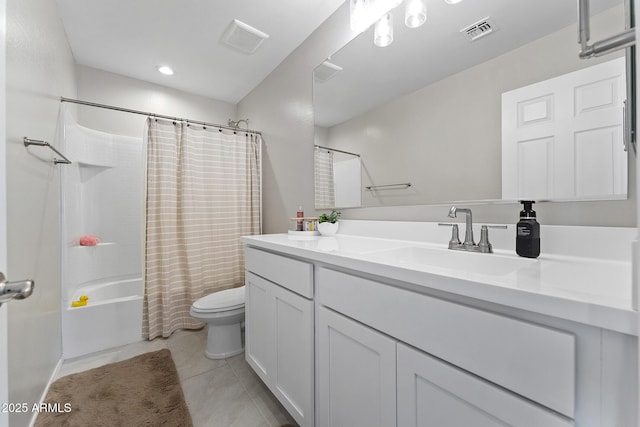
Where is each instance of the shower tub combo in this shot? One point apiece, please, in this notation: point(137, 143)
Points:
point(111, 318)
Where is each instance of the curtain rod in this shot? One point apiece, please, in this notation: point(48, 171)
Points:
point(161, 116)
point(337, 151)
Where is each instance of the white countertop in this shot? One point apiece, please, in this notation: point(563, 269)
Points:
point(592, 291)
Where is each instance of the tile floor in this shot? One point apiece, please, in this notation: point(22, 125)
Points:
point(225, 393)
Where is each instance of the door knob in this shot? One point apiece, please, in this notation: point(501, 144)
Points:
point(15, 290)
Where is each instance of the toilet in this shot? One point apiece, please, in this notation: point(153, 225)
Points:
point(223, 311)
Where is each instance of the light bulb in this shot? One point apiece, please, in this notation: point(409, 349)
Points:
point(358, 15)
point(366, 12)
point(383, 31)
point(415, 13)
point(166, 70)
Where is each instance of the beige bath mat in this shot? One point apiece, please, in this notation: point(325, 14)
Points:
point(142, 391)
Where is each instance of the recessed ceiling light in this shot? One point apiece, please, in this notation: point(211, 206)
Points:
point(166, 70)
point(452, 1)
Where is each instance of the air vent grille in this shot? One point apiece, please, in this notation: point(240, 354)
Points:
point(482, 28)
point(243, 37)
point(326, 71)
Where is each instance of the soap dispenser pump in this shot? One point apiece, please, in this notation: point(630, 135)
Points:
point(528, 232)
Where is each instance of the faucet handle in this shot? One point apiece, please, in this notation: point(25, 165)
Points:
point(484, 244)
point(455, 238)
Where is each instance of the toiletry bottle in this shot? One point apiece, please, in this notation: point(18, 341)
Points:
point(528, 232)
point(300, 214)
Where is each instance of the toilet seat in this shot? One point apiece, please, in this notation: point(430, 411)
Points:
point(227, 300)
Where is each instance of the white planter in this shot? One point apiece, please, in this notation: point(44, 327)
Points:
point(327, 228)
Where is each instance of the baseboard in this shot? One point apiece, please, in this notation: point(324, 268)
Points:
point(54, 374)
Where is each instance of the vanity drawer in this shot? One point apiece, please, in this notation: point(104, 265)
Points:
point(532, 360)
point(295, 275)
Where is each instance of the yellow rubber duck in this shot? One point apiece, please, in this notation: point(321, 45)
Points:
point(82, 301)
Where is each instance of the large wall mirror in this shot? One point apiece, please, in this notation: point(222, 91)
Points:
point(423, 121)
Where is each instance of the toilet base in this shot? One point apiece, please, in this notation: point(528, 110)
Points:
point(224, 341)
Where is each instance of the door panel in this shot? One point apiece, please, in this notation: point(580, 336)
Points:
point(4, 349)
point(574, 123)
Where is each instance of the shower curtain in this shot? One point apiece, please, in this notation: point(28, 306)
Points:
point(203, 193)
point(324, 182)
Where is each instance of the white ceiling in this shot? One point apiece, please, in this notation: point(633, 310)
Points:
point(134, 37)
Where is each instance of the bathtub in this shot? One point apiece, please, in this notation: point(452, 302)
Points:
point(111, 318)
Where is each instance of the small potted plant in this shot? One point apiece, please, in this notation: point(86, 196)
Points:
point(328, 223)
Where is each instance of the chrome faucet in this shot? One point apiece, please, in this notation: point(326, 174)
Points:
point(483, 245)
point(468, 232)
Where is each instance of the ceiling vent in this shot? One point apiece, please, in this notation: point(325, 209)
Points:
point(325, 71)
point(482, 28)
point(243, 37)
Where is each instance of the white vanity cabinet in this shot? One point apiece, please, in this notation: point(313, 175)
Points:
point(279, 328)
point(488, 370)
point(346, 340)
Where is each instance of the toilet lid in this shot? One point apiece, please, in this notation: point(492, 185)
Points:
point(229, 299)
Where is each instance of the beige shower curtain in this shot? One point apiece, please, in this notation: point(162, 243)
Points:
point(203, 193)
point(323, 178)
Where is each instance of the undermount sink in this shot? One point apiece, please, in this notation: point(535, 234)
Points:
point(433, 258)
point(356, 245)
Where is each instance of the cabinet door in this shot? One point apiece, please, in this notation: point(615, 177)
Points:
point(433, 393)
point(292, 374)
point(279, 344)
point(356, 373)
point(259, 326)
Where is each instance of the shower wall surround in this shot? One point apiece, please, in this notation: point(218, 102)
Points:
point(102, 195)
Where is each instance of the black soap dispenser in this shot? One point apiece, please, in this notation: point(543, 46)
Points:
point(528, 232)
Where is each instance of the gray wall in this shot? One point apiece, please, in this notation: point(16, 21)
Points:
point(40, 69)
point(120, 91)
point(282, 107)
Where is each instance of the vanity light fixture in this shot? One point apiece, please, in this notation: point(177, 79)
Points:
point(363, 13)
point(165, 70)
point(383, 31)
point(415, 13)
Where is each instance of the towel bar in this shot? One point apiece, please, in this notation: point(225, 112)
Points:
point(28, 142)
point(400, 186)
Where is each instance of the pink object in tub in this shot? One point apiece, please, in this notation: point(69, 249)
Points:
point(89, 240)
